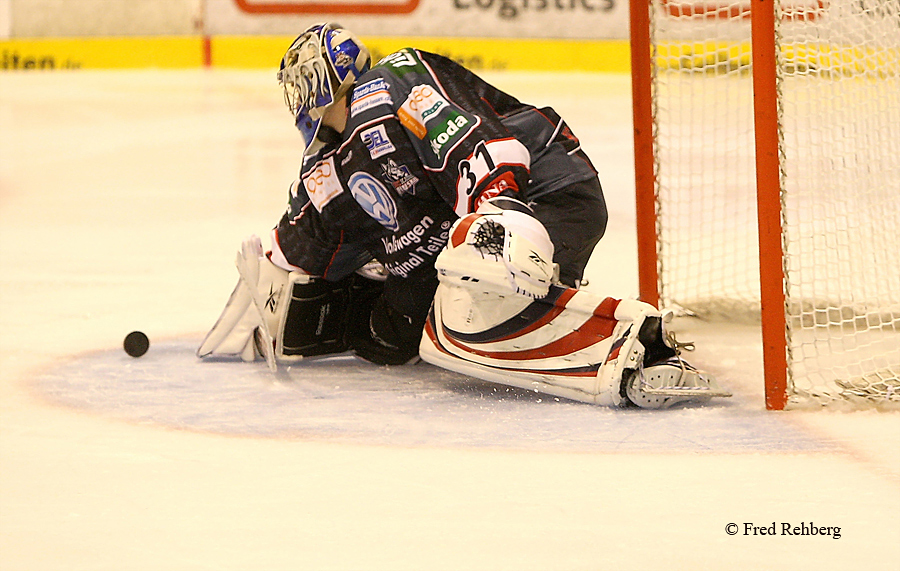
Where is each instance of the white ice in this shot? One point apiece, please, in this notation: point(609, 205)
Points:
point(123, 197)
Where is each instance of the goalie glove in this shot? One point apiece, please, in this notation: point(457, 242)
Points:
point(252, 314)
point(502, 245)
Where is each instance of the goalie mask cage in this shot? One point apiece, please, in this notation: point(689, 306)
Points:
point(767, 156)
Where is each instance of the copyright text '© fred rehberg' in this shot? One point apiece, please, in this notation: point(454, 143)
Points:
point(784, 528)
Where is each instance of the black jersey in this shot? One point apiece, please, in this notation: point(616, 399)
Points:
point(426, 142)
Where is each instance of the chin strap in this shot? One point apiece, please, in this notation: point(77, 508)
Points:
point(329, 136)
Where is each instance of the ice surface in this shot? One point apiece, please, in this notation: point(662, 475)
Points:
point(348, 400)
point(123, 197)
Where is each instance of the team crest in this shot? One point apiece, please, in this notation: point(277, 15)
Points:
point(398, 176)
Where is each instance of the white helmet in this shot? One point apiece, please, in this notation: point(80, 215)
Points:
point(321, 65)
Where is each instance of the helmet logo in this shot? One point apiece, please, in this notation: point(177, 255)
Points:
point(343, 60)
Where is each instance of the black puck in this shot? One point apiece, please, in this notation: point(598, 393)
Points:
point(136, 343)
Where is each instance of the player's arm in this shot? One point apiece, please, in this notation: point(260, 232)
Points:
point(491, 168)
point(484, 161)
point(309, 235)
point(297, 299)
point(469, 156)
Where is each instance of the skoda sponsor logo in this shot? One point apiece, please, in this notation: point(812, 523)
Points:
point(445, 133)
point(375, 199)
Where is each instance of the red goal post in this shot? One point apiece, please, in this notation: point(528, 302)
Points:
point(768, 183)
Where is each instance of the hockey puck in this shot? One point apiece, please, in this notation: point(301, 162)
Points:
point(136, 344)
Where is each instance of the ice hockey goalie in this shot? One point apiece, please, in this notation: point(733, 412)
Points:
point(483, 212)
point(498, 314)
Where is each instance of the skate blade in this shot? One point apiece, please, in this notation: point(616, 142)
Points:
point(693, 385)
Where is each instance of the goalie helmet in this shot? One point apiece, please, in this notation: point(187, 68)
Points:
point(321, 65)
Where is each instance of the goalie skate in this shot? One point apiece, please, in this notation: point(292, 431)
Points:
point(670, 382)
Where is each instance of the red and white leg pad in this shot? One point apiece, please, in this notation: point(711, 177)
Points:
point(571, 343)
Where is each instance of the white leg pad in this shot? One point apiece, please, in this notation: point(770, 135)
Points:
point(572, 343)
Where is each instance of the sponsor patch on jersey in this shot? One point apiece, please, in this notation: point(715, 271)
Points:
point(423, 104)
point(398, 176)
point(370, 94)
point(412, 238)
point(447, 133)
point(377, 141)
point(322, 184)
point(501, 183)
point(375, 199)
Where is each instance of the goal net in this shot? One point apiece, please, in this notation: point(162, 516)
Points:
point(794, 185)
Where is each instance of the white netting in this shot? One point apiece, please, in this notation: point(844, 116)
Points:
point(841, 120)
point(704, 132)
point(840, 95)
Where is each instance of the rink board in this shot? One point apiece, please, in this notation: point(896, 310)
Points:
point(260, 52)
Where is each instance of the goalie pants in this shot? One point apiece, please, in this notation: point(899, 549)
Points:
point(575, 217)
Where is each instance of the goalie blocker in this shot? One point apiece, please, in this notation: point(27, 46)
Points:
point(569, 343)
point(287, 316)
